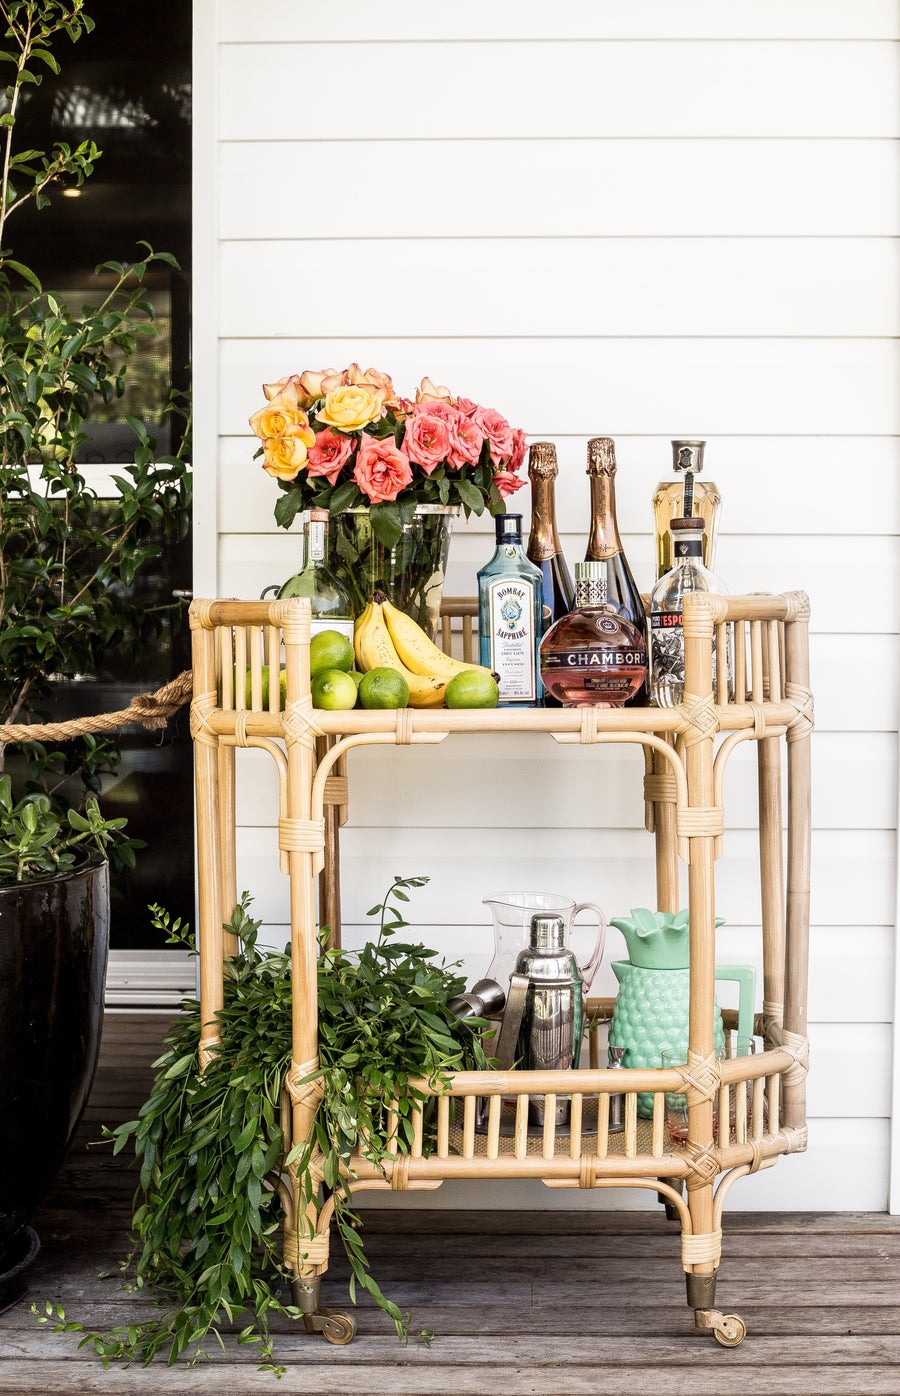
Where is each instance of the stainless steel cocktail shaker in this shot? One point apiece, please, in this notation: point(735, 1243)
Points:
point(550, 1031)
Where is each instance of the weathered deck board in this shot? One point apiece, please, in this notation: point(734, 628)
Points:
point(521, 1304)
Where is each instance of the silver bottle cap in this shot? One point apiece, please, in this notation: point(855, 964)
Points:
point(688, 455)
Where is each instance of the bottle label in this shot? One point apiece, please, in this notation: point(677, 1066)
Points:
point(667, 648)
point(593, 660)
point(511, 617)
point(343, 627)
point(317, 541)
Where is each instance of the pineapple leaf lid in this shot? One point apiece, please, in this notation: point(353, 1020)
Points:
point(657, 939)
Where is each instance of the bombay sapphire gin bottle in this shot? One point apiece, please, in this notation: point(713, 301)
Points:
point(510, 616)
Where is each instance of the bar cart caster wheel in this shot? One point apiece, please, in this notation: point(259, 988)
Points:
point(732, 1332)
point(340, 1328)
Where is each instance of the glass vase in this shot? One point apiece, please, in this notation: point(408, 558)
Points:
point(411, 574)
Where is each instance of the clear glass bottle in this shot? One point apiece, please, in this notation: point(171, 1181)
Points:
point(667, 614)
point(604, 543)
point(683, 496)
point(510, 617)
point(593, 657)
point(332, 608)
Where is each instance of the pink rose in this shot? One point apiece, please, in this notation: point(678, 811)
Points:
point(330, 454)
point(427, 439)
point(466, 406)
point(518, 452)
point(497, 430)
point(435, 408)
point(381, 471)
point(432, 392)
point(466, 441)
point(507, 483)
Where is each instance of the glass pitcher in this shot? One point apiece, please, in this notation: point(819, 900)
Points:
point(512, 913)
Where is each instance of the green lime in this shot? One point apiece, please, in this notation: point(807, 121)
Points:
point(329, 649)
point(383, 688)
point(356, 676)
point(472, 688)
point(264, 697)
point(333, 689)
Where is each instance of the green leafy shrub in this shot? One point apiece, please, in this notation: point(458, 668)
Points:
point(208, 1218)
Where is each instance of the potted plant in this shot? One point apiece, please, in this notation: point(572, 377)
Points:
point(391, 471)
point(209, 1210)
point(67, 566)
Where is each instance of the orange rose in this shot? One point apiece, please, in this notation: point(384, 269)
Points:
point(286, 454)
point(374, 378)
point(315, 383)
point(431, 392)
point(276, 418)
point(287, 390)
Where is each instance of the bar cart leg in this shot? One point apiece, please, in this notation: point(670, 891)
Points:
point(728, 1329)
point(335, 1327)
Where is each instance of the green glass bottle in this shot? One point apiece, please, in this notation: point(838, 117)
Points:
point(332, 608)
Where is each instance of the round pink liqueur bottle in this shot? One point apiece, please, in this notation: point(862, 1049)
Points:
point(593, 657)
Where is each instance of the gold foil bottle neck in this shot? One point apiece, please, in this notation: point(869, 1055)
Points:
point(542, 463)
point(601, 456)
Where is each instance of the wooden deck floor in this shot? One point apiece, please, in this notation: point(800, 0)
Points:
point(521, 1305)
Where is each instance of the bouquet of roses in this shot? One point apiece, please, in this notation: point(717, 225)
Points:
point(337, 440)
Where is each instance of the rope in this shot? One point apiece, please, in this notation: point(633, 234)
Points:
point(150, 710)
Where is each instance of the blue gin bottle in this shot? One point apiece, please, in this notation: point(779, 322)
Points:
point(510, 617)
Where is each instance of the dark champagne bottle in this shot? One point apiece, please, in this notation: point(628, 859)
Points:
point(544, 548)
point(605, 545)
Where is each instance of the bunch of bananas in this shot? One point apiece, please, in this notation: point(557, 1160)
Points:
point(387, 638)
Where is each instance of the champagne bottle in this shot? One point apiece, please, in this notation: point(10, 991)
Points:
point(605, 545)
point(544, 548)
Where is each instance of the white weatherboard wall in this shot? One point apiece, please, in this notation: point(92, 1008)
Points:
point(646, 221)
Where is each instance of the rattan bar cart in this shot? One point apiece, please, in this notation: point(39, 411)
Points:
point(761, 1098)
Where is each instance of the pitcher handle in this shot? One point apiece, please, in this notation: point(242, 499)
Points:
point(745, 975)
point(589, 969)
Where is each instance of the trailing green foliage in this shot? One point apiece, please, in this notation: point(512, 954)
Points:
point(209, 1218)
point(34, 843)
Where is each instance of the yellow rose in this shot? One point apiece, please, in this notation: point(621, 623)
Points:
point(286, 454)
point(276, 417)
point(351, 407)
point(434, 392)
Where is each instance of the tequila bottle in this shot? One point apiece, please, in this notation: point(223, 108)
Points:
point(510, 616)
point(682, 497)
point(667, 614)
point(593, 657)
point(329, 599)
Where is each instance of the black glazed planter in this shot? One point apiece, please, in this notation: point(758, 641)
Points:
point(54, 937)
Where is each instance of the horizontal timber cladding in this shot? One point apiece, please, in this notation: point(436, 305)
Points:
point(571, 89)
point(622, 286)
point(602, 189)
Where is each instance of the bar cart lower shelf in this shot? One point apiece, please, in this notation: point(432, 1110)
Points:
point(743, 1112)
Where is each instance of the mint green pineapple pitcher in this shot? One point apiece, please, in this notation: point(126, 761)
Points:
point(653, 1003)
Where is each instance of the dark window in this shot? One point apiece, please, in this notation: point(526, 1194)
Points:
point(127, 86)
